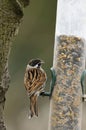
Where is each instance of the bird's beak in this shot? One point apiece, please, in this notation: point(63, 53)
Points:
point(42, 62)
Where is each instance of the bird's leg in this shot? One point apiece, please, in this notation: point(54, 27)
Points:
point(83, 85)
point(52, 83)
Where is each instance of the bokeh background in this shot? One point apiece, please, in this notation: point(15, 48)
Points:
point(35, 40)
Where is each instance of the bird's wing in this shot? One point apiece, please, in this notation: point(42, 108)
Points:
point(35, 80)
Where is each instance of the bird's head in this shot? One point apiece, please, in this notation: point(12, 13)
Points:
point(36, 63)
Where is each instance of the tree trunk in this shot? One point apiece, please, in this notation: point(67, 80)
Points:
point(69, 62)
point(10, 17)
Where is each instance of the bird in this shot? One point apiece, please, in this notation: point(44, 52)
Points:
point(34, 81)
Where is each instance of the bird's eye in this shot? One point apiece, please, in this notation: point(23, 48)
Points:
point(39, 64)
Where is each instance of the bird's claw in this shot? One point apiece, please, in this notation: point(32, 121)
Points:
point(45, 94)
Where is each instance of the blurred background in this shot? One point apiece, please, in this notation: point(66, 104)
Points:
point(35, 40)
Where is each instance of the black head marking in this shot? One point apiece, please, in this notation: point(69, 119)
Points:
point(34, 62)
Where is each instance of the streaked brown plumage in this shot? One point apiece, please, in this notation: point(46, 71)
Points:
point(34, 80)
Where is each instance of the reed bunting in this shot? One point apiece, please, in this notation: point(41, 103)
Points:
point(34, 81)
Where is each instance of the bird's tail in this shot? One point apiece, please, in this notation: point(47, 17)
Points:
point(33, 106)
